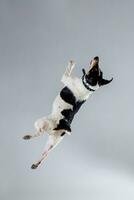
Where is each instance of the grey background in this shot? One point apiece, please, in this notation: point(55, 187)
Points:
point(37, 38)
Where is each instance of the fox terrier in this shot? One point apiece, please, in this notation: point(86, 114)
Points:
point(67, 103)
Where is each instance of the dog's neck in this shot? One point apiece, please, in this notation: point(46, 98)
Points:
point(86, 84)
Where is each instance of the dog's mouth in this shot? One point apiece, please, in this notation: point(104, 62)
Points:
point(94, 65)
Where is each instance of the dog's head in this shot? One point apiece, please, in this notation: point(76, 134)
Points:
point(94, 75)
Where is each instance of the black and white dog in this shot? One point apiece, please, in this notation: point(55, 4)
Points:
point(66, 105)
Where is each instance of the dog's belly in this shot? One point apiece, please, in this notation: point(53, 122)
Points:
point(79, 90)
point(65, 107)
point(66, 100)
point(59, 104)
point(70, 113)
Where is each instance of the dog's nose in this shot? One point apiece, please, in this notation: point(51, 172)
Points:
point(94, 62)
point(96, 58)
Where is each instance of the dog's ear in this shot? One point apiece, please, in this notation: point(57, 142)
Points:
point(104, 81)
point(84, 72)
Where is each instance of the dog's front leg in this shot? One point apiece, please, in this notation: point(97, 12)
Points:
point(68, 71)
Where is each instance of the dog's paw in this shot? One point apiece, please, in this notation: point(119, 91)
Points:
point(34, 166)
point(27, 137)
point(72, 62)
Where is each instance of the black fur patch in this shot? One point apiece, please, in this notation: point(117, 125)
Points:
point(77, 106)
point(68, 117)
point(68, 96)
point(63, 124)
point(69, 113)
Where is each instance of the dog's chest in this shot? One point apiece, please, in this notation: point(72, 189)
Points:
point(68, 97)
point(67, 114)
point(79, 90)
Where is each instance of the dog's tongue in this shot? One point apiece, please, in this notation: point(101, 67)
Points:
point(96, 58)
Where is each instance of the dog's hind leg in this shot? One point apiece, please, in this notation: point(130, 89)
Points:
point(50, 145)
point(41, 126)
point(30, 136)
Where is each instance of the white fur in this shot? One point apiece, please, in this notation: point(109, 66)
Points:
point(47, 124)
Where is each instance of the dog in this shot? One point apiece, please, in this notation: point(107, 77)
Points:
point(67, 103)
